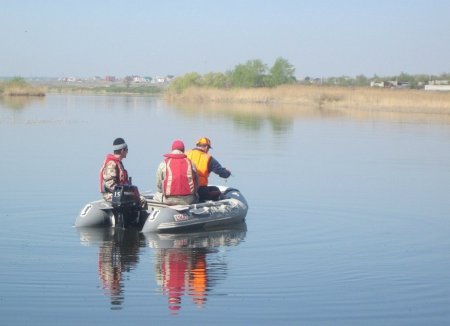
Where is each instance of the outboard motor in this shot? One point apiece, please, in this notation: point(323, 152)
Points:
point(126, 202)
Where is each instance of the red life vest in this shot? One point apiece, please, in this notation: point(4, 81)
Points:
point(122, 175)
point(180, 178)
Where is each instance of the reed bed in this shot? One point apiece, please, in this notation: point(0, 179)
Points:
point(26, 90)
point(325, 98)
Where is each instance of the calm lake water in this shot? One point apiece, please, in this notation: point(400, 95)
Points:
point(349, 219)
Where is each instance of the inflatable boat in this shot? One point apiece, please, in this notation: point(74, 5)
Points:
point(125, 211)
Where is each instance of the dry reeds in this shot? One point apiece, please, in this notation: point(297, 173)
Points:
point(325, 98)
point(24, 91)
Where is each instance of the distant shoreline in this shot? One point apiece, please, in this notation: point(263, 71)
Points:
point(295, 97)
point(106, 90)
point(20, 87)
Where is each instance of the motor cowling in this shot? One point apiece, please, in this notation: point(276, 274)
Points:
point(126, 197)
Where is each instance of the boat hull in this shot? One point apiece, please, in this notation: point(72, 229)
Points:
point(230, 209)
point(97, 213)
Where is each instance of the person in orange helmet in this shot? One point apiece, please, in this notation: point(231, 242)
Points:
point(205, 164)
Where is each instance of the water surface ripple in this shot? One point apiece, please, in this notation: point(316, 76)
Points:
point(348, 221)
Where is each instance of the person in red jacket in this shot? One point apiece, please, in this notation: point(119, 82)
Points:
point(113, 172)
point(176, 178)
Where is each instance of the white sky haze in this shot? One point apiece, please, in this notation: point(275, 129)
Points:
point(319, 38)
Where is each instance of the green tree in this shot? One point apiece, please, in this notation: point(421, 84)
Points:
point(421, 80)
point(185, 81)
point(404, 77)
point(250, 74)
point(216, 79)
point(361, 80)
point(282, 72)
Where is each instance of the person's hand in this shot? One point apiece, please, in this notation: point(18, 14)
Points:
point(143, 202)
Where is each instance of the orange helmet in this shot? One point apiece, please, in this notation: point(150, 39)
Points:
point(203, 141)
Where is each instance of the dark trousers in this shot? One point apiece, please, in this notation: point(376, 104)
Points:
point(208, 193)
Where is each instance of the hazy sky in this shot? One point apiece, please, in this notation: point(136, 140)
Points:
point(172, 37)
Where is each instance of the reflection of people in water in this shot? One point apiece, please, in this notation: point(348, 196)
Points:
point(118, 254)
point(198, 279)
point(190, 264)
point(185, 264)
point(173, 270)
point(183, 271)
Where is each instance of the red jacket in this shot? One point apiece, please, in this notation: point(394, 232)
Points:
point(122, 175)
point(180, 176)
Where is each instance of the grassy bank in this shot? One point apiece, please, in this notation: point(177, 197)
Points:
point(19, 87)
point(323, 98)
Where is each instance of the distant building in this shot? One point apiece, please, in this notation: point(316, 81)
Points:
point(389, 84)
point(442, 88)
point(438, 85)
point(162, 80)
point(138, 79)
point(68, 79)
point(376, 84)
point(438, 82)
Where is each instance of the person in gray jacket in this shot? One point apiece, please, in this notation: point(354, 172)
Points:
point(176, 178)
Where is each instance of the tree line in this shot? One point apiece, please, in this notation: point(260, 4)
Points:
point(254, 73)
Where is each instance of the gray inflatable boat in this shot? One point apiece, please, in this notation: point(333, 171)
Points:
point(124, 211)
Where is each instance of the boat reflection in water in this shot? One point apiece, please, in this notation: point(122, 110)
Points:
point(190, 263)
point(118, 254)
point(185, 263)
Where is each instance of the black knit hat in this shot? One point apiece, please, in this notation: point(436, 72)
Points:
point(119, 143)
